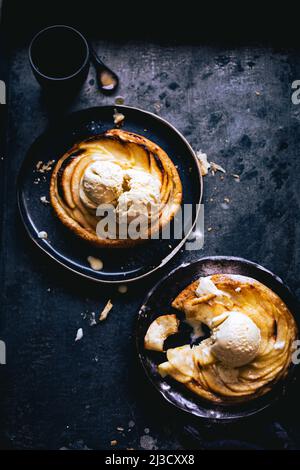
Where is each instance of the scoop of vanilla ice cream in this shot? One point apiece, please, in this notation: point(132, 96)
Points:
point(206, 287)
point(102, 183)
point(236, 341)
point(142, 197)
point(142, 180)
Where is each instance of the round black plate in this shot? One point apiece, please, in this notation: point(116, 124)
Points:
point(159, 301)
point(122, 264)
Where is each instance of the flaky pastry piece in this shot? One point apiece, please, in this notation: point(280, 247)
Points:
point(159, 330)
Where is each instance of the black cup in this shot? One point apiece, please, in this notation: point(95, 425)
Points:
point(59, 58)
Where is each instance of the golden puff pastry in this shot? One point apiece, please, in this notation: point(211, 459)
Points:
point(251, 342)
point(122, 169)
point(159, 330)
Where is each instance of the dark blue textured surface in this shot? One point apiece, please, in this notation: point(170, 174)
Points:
point(233, 103)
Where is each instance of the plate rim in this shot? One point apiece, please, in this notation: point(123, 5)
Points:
point(219, 420)
point(170, 255)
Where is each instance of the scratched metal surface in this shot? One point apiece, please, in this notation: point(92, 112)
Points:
point(234, 104)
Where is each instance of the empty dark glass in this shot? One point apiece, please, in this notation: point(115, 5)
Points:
point(59, 57)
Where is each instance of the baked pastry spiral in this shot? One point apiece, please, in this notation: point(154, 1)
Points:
point(251, 342)
point(125, 170)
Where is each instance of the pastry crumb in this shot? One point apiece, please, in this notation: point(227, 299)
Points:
point(118, 118)
point(42, 167)
point(44, 200)
point(226, 199)
point(209, 229)
point(43, 235)
point(204, 164)
point(114, 442)
point(79, 334)
point(92, 319)
point(236, 177)
point(214, 167)
point(105, 311)
point(119, 428)
point(95, 263)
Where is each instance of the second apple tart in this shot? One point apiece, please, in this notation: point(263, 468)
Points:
point(251, 341)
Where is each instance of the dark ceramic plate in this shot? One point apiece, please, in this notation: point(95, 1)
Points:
point(159, 301)
point(122, 264)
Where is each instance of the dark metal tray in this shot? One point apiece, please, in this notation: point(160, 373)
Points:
point(232, 102)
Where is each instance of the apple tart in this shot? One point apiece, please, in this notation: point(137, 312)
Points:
point(125, 171)
point(251, 342)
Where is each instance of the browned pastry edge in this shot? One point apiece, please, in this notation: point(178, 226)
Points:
point(90, 235)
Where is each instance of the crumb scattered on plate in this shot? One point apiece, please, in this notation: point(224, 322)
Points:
point(105, 311)
point(95, 263)
point(93, 319)
point(236, 177)
point(42, 167)
point(118, 118)
point(42, 234)
point(44, 200)
point(114, 442)
point(79, 334)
